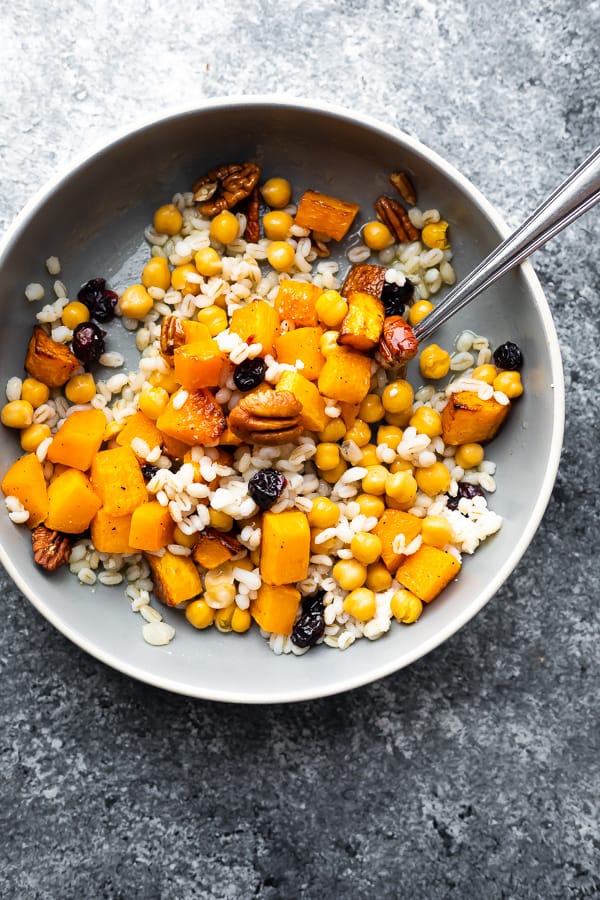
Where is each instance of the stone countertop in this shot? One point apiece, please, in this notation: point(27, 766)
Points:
point(473, 773)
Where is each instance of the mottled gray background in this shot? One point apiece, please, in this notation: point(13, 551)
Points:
point(475, 772)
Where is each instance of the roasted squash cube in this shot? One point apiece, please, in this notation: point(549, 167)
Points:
point(199, 420)
point(139, 426)
point(296, 302)
point(256, 323)
point(467, 418)
point(198, 364)
point(302, 345)
point(176, 578)
point(49, 361)
point(363, 323)
point(326, 214)
point(313, 413)
point(213, 548)
point(72, 502)
point(392, 523)
point(78, 439)
point(25, 481)
point(366, 278)
point(275, 607)
point(345, 376)
point(117, 478)
point(427, 572)
point(151, 527)
point(285, 548)
point(110, 534)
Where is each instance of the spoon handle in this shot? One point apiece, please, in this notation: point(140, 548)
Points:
point(577, 193)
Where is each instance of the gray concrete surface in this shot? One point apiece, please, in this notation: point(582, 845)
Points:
point(474, 773)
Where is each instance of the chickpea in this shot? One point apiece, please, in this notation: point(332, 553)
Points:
point(349, 574)
point(241, 620)
point(277, 225)
point(361, 604)
point(436, 531)
point(397, 396)
point(371, 409)
point(509, 383)
point(17, 414)
point(153, 402)
point(390, 435)
point(168, 219)
point(136, 302)
point(434, 362)
point(427, 421)
point(434, 479)
point(377, 236)
point(374, 480)
point(35, 392)
point(156, 273)
point(33, 435)
point(331, 308)
point(181, 282)
point(485, 373)
point(199, 613)
point(434, 235)
point(418, 311)
point(327, 456)
point(324, 513)
point(276, 192)
point(369, 455)
point(468, 456)
point(74, 314)
point(366, 547)
point(333, 475)
point(378, 577)
point(402, 487)
point(371, 505)
point(214, 318)
point(220, 520)
point(225, 227)
point(281, 255)
point(334, 431)
point(406, 607)
point(81, 388)
point(208, 262)
point(359, 432)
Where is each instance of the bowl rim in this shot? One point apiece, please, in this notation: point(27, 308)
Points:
point(333, 110)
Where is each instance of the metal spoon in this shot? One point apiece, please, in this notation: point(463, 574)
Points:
point(577, 193)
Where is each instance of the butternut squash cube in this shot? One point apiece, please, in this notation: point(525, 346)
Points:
point(427, 572)
point(275, 608)
point(72, 502)
point(198, 364)
point(194, 331)
point(313, 405)
point(363, 323)
point(199, 421)
point(256, 323)
point(213, 548)
point(110, 534)
point(174, 448)
point(25, 481)
point(392, 523)
point(151, 527)
point(302, 344)
point(117, 478)
point(78, 439)
point(467, 419)
point(296, 301)
point(139, 426)
point(330, 216)
point(345, 376)
point(176, 578)
point(49, 361)
point(285, 548)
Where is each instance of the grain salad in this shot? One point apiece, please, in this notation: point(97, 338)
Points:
point(271, 462)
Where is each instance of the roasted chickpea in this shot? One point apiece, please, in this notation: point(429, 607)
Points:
point(377, 236)
point(35, 392)
point(371, 409)
point(156, 273)
point(324, 513)
point(331, 309)
point(181, 282)
point(366, 547)
point(371, 505)
point(81, 388)
point(135, 302)
point(276, 192)
point(208, 262)
point(33, 435)
point(168, 219)
point(361, 604)
point(225, 227)
point(397, 396)
point(434, 479)
point(378, 577)
point(214, 318)
point(281, 255)
point(468, 456)
point(200, 614)
point(74, 314)
point(418, 311)
point(509, 383)
point(427, 421)
point(349, 574)
point(153, 401)
point(277, 225)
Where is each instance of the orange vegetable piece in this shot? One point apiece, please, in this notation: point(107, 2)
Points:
point(256, 323)
point(302, 344)
point(467, 419)
point(392, 523)
point(363, 323)
point(174, 448)
point(285, 548)
point(198, 364)
point(49, 361)
point(117, 477)
point(194, 331)
point(110, 534)
point(199, 421)
point(427, 572)
point(176, 578)
point(72, 502)
point(151, 527)
point(313, 414)
point(25, 481)
point(349, 412)
point(275, 607)
point(139, 426)
point(296, 301)
point(330, 216)
point(78, 439)
point(345, 376)
point(213, 548)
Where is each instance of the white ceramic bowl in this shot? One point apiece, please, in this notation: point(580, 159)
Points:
point(93, 216)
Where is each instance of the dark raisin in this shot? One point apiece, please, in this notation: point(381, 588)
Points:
point(266, 486)
point(465, 490)
point(508, 356)
point(99, 300)
point(149, 471)
point(88, 342)
point(395, 297)
point(307, 630)
point(313, 602)
point(249, 374)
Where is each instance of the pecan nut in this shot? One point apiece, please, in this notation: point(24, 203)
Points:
point(51, 549)
point(252, 210)
point(397, 344)
point(368, 279)
point(396, 218)
point(172, 336)
point(267, 417)
point(404, 186)
point(225, 187)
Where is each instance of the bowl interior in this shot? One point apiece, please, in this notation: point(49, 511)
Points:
point(93, 219)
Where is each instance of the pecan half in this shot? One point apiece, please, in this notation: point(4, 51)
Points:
point(397, 344)
point(252, 210)
point(224, 187)
point(396, 218)
point(51, 549)
point(366, 278)
point(267, 417)
point(172, 336)
point(404, 186)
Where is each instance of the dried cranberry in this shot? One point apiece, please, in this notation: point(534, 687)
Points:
point(311, 624)
point(265, 487)
point(395, 297)
point(149, 471)
point(313, 601)
point(99, 300)
point(249, 374)
point(508, 356)
point(466, 490)
point(88, 342)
